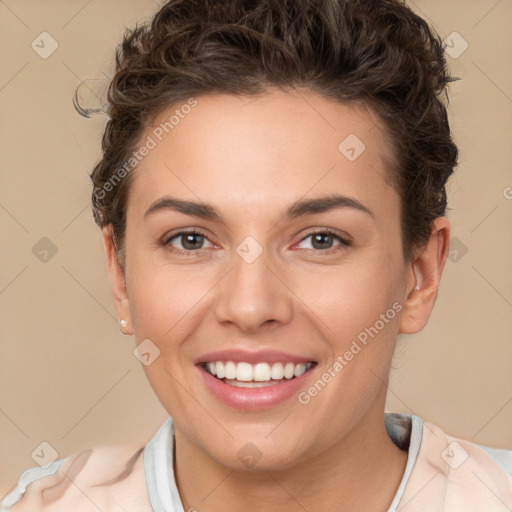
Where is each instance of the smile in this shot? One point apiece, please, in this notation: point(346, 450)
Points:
point(255, 387)
point(262, 374)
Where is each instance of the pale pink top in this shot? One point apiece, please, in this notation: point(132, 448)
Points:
point(443, 474)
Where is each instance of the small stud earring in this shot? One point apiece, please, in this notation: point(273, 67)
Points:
point(417, 287)
point(123, 323)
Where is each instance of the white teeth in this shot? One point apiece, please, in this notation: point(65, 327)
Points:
point(299, 369)
point(243, 372)
point(219, 370)
point(260, 372)
point(230, 370)
point(277, 371)
point(289, 371)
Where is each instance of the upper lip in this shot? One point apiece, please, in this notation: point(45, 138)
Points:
point(260, 356)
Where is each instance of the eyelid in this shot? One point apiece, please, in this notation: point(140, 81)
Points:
point(184, 231)
point(166, 239)
point(345, 241)
point(346, 237)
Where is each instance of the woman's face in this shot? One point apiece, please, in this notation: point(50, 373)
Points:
point(256, 285)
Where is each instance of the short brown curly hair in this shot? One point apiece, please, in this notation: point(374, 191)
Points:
point(375, 51)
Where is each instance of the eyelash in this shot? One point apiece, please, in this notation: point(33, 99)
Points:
point(326, 231)
point(343, 243)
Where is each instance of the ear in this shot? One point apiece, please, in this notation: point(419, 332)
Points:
point(425, 272)
point(117, 281)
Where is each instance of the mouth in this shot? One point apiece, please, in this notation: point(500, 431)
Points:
point(263, 374)
point(255, 381)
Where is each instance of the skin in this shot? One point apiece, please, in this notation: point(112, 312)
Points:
point(251, 158)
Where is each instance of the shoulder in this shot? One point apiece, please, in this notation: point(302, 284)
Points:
point(107, 478)
point(458, 475)
point(503, 457)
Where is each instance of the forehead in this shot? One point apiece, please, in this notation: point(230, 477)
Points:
point(246, 153)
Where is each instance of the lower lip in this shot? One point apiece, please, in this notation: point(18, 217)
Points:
point(254, 399)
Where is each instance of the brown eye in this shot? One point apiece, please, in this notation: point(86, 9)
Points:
point(188, 241)
point(324, 240)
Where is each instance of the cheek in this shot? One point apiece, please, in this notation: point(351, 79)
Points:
point(348, 298)
point(165, 300)
point(167, 304)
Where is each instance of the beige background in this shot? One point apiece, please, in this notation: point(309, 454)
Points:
point(68, 377)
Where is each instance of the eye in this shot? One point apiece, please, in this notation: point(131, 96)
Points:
point(323, 241)
point(190, 241)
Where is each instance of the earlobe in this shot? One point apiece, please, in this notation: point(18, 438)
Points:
point(425, 272)
point(117, 282)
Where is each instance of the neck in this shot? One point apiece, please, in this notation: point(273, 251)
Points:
point(362, 471)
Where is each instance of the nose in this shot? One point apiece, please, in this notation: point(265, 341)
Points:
point(253, 296)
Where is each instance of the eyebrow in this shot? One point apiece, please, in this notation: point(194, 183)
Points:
point(297, 209)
